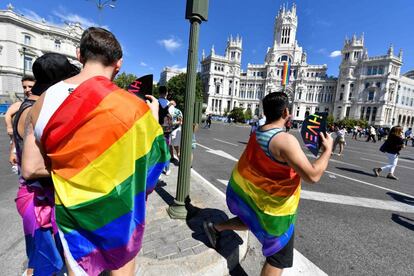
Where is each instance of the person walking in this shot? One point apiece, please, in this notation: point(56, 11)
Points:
point(371, 134)
point(408, 136)
point(340, 139)
point(104, 161)
point(35, 198)
point(391, 147)
point(264, 189)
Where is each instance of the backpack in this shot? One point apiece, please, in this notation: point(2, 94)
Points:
point(165, 119)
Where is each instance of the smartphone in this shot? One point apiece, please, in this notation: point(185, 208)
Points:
point(141, 86)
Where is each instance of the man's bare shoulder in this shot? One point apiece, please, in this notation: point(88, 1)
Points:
point(35, 110)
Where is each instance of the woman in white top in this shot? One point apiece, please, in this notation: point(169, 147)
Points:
point(340, 139)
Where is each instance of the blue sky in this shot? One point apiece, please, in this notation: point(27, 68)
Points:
point(154, 33)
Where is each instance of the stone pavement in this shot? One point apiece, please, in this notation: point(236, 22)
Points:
point(179, 247)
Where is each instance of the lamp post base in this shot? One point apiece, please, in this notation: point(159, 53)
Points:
point(177, 210)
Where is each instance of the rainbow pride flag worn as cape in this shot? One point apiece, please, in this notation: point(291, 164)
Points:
point(107, 151)
point(264, 194)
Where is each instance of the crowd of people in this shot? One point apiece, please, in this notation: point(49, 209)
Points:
point(79, 154)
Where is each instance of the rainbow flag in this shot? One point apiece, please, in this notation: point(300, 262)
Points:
point(107, 151)
point(264, 194)
point(286, 73)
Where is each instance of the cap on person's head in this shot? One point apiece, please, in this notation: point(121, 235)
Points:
point(50, 69)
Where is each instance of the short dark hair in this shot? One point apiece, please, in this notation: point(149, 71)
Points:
point(28, 78)
point(99, 45)
point(162, 90)
point(274, 104)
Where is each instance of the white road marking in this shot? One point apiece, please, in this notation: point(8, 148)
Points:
point(379, 155)
point(219, 153)
point(301, 265)
point(352, 200)
point(382, 162)
point(331, 176)
point(334, 161)
point(225, 142)
point(369, 184)
point(358, 201)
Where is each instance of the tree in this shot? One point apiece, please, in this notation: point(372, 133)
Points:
point(248, 114)
point(176, 87)
point(237, 114)
point(124, 79)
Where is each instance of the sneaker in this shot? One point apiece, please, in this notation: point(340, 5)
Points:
point(377, 171)
point(391, 176)
point(211, 233)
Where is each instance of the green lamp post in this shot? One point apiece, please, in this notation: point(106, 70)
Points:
point(196, 12)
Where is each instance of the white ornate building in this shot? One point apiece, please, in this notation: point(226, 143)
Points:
point(370, 88)
point(168, 73)
point(22, 40)
point(227, 86)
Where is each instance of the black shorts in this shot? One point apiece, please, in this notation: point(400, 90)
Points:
point(283, 258)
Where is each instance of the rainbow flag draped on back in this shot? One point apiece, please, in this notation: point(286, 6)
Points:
point(107, 152)
point(285, 73)
point(264, 194)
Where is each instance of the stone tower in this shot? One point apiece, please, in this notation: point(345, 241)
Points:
point(286, 24)
point(352, 53)
point(234, 49)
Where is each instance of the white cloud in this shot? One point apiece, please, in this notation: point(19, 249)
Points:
point(32, 15)
point(143, 64)
point(65, 16)
point(335, 54)
point(177, 67)
point(170, 44)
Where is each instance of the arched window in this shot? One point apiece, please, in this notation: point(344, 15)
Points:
point(403, 120)
point(284, 58)
point(399, 119)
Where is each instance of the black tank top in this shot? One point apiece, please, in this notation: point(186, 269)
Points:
point(18, 140)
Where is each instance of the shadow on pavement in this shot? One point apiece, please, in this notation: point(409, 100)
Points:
point(355, 171)
point(406, 158)
point(229, 241)
point(244, 143)
point(403, 221)
point(401, 198)
point(169, 199)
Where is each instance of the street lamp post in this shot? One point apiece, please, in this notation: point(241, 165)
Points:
point(101, 4)
point(196, 12)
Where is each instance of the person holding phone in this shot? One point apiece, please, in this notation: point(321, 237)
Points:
point(264, 189)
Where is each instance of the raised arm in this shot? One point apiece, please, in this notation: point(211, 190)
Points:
point(292, 153)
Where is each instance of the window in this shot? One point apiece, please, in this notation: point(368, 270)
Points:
point(217, 89)
point(374, 114)
point(362, 113)
point(381, 70)
point(233, 55)
point(341, 96)
point(371, 95)
point(57, 44)
point(342, 87)
point(349, 96)
point(327, 109)
point(378, 84)
point(374, 70)
point(366, 85)
point(348, 109)
point(346, 56)
point(369, 70)
point(27, 39)
point(368, 113)
point(28, 61)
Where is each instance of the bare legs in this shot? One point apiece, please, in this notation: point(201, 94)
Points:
point(269, 270)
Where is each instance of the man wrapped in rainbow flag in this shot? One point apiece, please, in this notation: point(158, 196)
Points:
point(264, 188)
point(105, 151)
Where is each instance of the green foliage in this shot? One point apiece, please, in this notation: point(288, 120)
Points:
point(237, 114)
point(350, 123)
point(176, 88)
point(124, 79)
point(330, 120)
point(248, 114)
